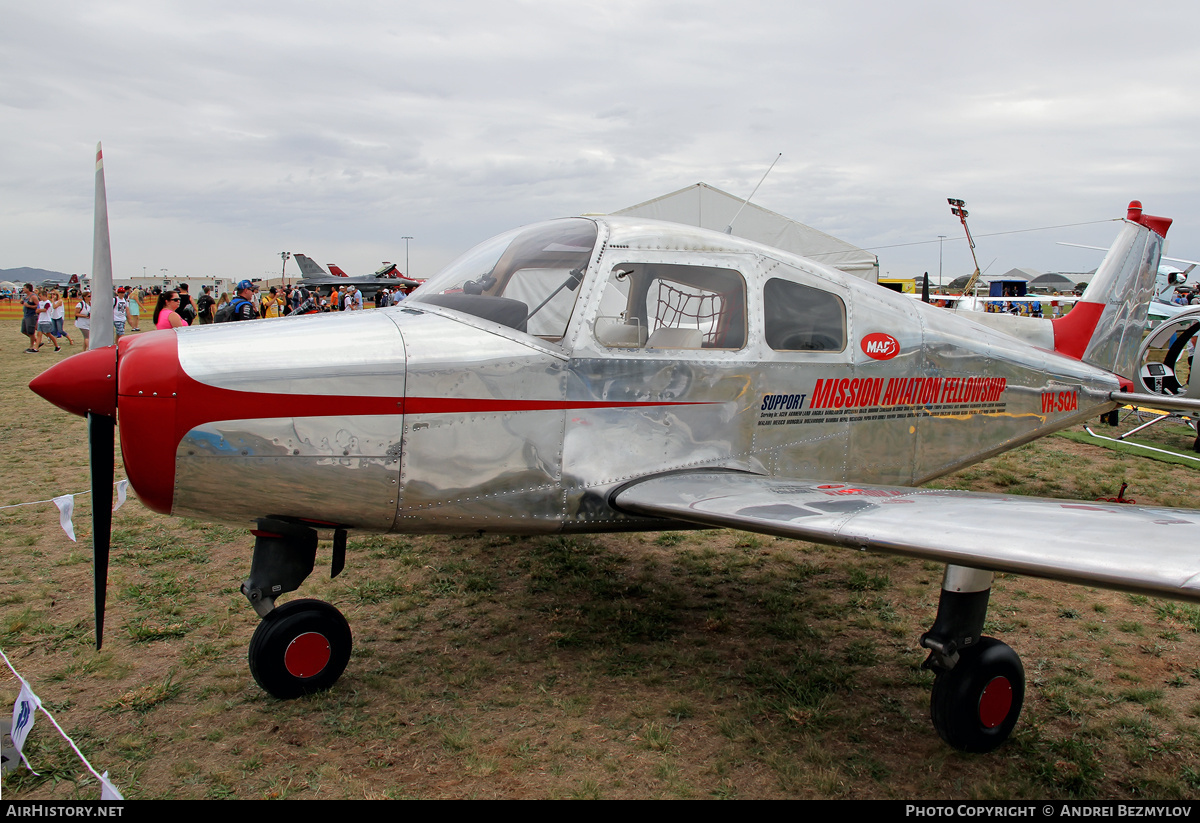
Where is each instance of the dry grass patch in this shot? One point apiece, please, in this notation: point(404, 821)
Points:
point(690, 664)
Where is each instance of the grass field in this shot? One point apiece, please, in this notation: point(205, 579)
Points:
point(699, 664)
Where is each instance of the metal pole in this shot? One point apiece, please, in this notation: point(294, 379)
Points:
point(406, 238)
point(941, 237)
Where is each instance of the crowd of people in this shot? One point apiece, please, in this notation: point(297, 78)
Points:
point(250, 303)
point(43, 319)
point(1186, 297)
point(1023, 308)
point(44, 310)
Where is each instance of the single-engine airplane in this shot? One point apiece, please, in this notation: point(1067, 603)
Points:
point(606, 374)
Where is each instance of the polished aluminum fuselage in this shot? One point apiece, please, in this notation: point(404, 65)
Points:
point(452, 423)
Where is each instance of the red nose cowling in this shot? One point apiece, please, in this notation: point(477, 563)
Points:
point(85, 382)
point(149, 373)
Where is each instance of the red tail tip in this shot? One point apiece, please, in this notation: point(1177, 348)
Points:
point(1158, 225)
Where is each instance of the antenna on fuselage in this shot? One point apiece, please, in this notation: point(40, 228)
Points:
point(746, 202)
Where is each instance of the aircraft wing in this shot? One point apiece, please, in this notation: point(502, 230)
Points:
point(1154, 551)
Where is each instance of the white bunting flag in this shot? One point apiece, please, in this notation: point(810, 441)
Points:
point(66, 508)
point(122, 485)
point(22, 719)
point(107, 790)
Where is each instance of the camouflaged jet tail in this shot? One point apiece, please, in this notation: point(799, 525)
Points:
point(1105, 328)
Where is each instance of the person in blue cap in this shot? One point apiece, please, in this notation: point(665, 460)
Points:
point(243, 304)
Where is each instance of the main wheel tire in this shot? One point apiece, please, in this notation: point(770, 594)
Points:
point(299, 648)
point(975, 705)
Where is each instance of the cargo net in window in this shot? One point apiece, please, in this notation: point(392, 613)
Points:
point(687, 307)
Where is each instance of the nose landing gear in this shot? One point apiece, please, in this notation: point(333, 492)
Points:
point(303, 646)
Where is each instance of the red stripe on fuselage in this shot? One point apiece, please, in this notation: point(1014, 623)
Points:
point(158, 403)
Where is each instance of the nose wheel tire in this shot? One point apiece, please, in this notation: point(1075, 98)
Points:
point(300, 648)
point(976, 704)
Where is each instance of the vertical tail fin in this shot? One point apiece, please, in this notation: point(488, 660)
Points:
point(309, 268)
point(1105, 327)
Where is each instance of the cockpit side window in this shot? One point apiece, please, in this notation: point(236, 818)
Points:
point(803, 318)
point(671, 306)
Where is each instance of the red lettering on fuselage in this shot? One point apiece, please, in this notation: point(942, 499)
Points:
point(846, 393)
point(857, 392)
point(1060, 401)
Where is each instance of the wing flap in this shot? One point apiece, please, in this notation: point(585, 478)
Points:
point(1142, 549)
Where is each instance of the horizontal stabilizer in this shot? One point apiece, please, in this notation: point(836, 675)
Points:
point(1156, 401)
point(1130, 548)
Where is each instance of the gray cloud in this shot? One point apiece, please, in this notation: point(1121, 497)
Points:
point(235, 130)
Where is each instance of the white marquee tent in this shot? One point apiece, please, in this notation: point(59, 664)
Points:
point(710, 208)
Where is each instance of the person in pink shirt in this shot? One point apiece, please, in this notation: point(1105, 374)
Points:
point(166, 312)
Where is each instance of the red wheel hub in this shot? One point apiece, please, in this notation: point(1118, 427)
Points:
point(995, 702)
point(307, 655)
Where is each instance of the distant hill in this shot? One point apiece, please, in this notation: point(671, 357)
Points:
point(25, 274)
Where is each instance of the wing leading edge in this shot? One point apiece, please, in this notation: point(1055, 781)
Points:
point(1132, 548)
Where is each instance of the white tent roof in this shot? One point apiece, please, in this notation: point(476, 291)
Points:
point(710, 208)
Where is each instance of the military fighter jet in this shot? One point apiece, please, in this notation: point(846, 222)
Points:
point(314, 277)
point(746, 387)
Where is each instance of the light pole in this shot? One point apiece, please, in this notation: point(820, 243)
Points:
point(406, 238)
point(285, 255)
point(941, 237)
point(959, 209)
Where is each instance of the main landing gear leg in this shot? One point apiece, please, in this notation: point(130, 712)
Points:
point(980, 682)
point(302, 646)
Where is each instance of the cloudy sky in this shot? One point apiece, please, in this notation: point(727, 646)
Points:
point(233, 131)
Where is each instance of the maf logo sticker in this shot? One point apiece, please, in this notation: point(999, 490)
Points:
point(880, 346)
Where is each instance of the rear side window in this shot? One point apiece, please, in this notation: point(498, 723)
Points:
point(803, 318)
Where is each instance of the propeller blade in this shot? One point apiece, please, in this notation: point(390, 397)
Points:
point(101, 427)
point(102, 445)
point(103, 333)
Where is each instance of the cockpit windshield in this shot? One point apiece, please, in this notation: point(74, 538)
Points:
point(526, 279)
